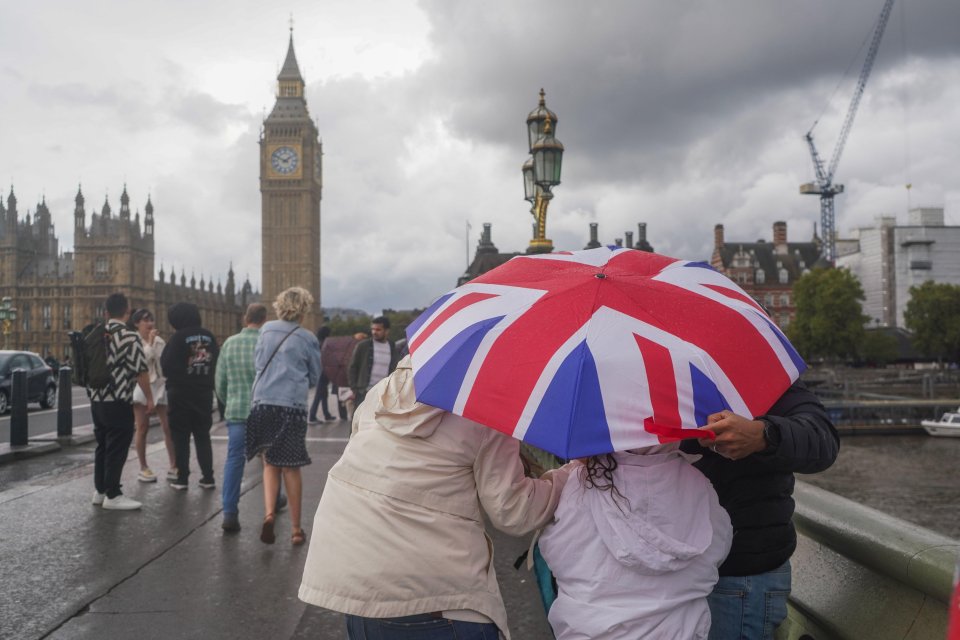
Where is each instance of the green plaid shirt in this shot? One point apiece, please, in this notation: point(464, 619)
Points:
point(235, 374)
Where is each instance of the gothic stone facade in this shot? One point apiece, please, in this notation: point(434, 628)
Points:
point(57, 292)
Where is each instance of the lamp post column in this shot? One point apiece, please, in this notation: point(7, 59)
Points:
point(541, 172)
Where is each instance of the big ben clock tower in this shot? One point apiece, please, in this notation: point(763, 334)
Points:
point(291, 179)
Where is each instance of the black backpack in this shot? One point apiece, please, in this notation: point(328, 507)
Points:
point(90, 356)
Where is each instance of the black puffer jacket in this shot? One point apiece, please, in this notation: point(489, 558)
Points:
point(757, 491)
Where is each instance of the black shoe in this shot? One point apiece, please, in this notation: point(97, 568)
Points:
point(231, 522)
point(328, 419)
point(281, 503)
point(208, 483)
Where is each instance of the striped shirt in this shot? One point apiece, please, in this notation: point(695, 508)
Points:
point(125, 361)
point(235, 373)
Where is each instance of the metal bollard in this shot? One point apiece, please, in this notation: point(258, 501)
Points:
point(19, 436)
point(64, 404)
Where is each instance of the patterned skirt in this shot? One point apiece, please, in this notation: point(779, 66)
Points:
point(279, 433)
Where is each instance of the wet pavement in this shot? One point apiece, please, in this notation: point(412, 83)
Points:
point(72, 570)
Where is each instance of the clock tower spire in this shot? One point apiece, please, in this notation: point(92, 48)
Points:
point(290, 189)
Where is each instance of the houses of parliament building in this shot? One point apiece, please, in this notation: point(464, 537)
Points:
point(55, 292)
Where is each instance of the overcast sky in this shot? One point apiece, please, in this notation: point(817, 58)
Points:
point(678, 114)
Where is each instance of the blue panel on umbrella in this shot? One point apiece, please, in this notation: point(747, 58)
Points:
point(707, 398)
point(570, 420)
point(797, 360)
point(438, 382)
point(414, 326)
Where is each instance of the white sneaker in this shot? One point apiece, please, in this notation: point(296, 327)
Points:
point(172, 474)
point(97, 499)
point(121, 503)
point(146, 475)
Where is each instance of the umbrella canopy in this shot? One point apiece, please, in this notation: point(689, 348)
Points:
point(589, 352)
point(335, 355)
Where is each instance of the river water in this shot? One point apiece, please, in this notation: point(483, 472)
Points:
point(913, 477)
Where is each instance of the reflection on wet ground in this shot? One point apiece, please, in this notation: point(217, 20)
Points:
point(915, 478)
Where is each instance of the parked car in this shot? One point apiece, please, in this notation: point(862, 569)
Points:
point(41, 381)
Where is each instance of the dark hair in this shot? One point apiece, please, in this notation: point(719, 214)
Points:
point(382, 321)
point(256, 313)
point(598, 474)
point(323, 332)
point(140, 314)
point(117, 305)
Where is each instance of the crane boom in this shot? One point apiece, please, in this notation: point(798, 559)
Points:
point(824, 186)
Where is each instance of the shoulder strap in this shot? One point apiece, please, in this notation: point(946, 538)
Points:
point(279, 344)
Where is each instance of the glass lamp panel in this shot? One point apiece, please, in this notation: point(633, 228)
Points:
point(546, 163)
point(529, 187)
point(534, 131)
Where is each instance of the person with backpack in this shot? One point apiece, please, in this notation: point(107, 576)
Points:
point(114, 363)
point(189, 363)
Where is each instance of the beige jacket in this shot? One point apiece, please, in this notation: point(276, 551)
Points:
point(399, 529)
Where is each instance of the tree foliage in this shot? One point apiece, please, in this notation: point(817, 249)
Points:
point(933, 314)
point(878, 347)
point(829, 321)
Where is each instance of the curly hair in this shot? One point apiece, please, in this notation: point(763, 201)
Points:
point(598, 474)
point(292, 304)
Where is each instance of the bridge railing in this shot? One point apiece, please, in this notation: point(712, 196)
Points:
point(860, 573)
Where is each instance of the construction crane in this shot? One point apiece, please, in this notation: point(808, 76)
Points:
point(824, 186)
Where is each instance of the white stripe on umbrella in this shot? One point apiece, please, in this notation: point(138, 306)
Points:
point(685, 277)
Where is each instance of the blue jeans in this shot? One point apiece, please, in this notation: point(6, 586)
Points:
point(233, 467)
point(749, 607)
point(419, 627)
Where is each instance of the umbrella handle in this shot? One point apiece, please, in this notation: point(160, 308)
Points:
point(675, 433)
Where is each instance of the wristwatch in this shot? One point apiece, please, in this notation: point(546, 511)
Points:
point(771, 434)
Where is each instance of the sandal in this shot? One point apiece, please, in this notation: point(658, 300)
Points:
point(266, 533)
point(298, 538)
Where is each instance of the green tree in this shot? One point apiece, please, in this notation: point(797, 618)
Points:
point(829, 321)
point(878, 347)
point(933, 314)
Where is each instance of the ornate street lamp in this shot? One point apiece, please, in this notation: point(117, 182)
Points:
point(8, 315)
point(541, 172)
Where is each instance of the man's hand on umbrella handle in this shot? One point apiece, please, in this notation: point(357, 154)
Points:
point(736, 437)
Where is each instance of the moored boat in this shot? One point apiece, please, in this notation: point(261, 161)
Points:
point(948, 425)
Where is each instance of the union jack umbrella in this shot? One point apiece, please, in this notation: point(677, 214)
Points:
point(588, 352)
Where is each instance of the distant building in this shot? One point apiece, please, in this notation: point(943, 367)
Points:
point(889, 259)
point(766, 270)
point(488, 257)
point(56, 292)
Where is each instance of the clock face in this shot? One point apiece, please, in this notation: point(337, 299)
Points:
point(284, 160)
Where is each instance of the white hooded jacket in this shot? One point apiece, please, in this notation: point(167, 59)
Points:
point(641, 567)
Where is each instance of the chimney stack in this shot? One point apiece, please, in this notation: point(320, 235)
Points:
point(594, 243)
point(629, 242)
point(718, 237)
point(779, 233)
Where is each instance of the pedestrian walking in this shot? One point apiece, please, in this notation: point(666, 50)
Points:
point(234, 379)
point(399, 542)
point(112, 405)
point(142, 321)
point(189, 362)
point(373, 359)
point(287, 359)
point(322, 393)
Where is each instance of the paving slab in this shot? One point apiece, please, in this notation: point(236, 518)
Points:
point(72, 570)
